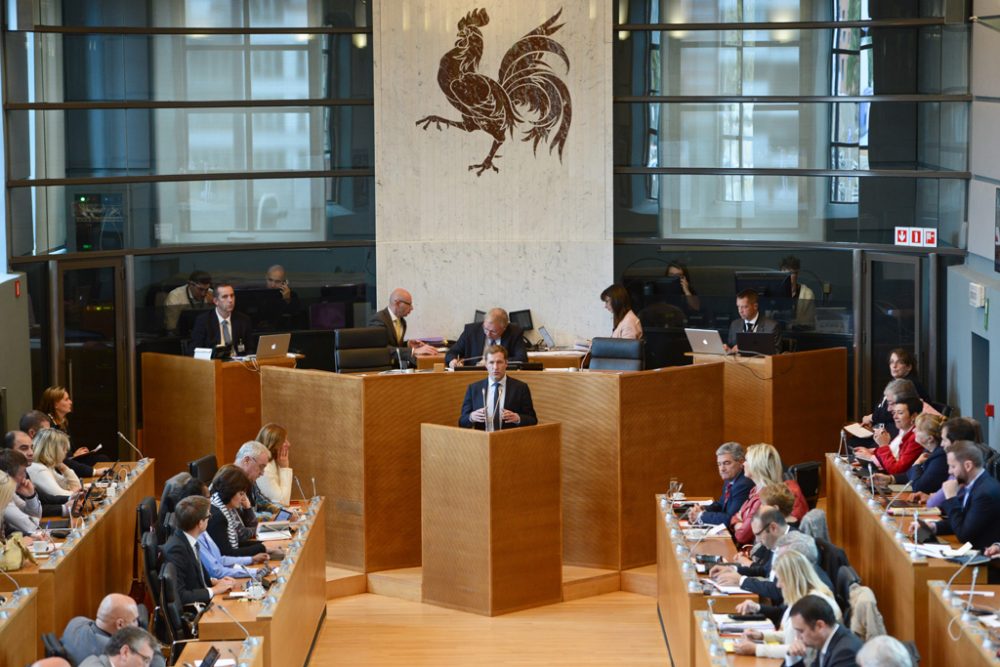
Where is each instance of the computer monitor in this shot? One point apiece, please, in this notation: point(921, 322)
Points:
point(263, 306)
point(479, 316)
point(522, 318)
point(767, 284)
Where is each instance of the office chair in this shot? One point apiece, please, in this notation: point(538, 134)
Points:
point(204, 468)
point(807, 474)
point(361, 350)
point(617, 354)
point(53, 647)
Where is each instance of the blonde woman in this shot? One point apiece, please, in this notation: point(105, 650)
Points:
point(796, 578)
point(49, 472)
point(763, 466)
point(276, 482)
point(7, 488)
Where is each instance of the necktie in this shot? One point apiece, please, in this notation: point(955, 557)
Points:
point(749, 327)
point(399, 331)
point(725, 496)
point(227, 337)
point(201, 569)
point(965, 496)
point(496, 406)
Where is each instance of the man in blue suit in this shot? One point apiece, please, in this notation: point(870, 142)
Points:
point(735, 487)
point(972, 499)
point(507, 401)
point(496, 329)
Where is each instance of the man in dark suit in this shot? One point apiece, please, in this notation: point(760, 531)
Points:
point(970, 511)
point(191, 518)
point(496, 329)
point(393, 319)
point(735, 487)
point(508, 400)
point(751, 321)
point(222, 326)
point(816, 627)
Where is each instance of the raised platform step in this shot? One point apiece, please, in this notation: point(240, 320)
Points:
point(641, 580)
point(405, 583)
point(340, 582)
point(584, 582)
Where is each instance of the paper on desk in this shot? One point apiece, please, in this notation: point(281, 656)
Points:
point(921, 511)
point(938, 550)
point(703, 503)
point(222, 662)
point(701, 533)
point(991, 621)
point(272, 535)
point(858, 431)
point(726, 590)
point(728, 625)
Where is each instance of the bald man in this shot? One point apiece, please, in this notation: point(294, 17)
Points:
point(496, 329)
point(393, 319)
point(50, 662)
point(84, 637)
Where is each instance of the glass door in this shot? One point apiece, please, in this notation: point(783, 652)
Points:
point(89, 357)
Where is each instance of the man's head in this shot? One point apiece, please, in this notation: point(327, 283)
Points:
point(965, 460)
point(252, 458)
point(791, 265)
point(131, 647)
point(225, 299)
point(19, 441)
point(117, 611)
point(199, 282)
point(496, 362)
point(899, 390)
point(884, 651)
point(400, 302)
point(14, 463)
point(959, 428)
point(729, 458)
point(275, 277)
point(799, 542)
point(746, 304)
point(495, 323)
point(768, 524)
point(34, 421)
point(191, 515)
point(813, 621)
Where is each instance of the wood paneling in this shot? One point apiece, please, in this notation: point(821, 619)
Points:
point(944, 623)
point(19, 630)
point(253, 657)
point(703, 656)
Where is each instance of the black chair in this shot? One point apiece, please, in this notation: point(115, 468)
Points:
point(617, 354)
point(361, 350)
point(846, 578)
point(807, 475)
point(204, 468)
point(54, 648)
point(151, 574)
point(945, 409)
point(181, 621)
point(146, 515)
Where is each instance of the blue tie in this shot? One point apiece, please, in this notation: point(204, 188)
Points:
point(496, 406)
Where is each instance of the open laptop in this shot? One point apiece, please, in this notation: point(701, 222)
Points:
point(273, 345)
point(705, 341)
point(756, 343)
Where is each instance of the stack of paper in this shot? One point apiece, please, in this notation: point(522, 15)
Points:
point(725, 590)
point(729, 626)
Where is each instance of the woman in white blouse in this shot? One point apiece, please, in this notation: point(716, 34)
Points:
point(49, 472)
point(796, 578)
point(276, 482)
point(618, 303)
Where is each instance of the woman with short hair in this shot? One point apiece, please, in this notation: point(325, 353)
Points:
point(229, 491)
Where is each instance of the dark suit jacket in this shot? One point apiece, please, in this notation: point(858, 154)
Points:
point(217, 528)
point(398, 347)
point(764, 325)
point(977, 522)
point(473, 340)
point(927, 477)
point(842, 651)
point(719, 513)
point(517, 399)
point(193, 588)
point(206, 331)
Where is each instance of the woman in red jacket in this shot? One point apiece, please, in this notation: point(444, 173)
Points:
point(898, 454)
point(763, 466)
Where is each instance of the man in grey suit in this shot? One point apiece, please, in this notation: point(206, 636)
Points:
point(751, 321)
point(393, 319)
point(84, 638)
point(129, 647)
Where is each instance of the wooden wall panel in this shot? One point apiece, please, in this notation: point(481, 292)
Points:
point(238, 400)
point(18, 645)
point(809, 403)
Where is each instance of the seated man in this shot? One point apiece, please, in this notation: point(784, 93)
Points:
point(507, 401)
point(84, 638)
point(51, 506)
point(496, 329)
point(129, 647)
point(222, 325)
point(393, 319)
point(252, 458)
point(195, 293)
point(193, 582)
point(816, 627)
point(23, 513)
point(751, 321)
point(735, 487)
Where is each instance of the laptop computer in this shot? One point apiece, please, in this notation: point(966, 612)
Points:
point(273, 345)
point(705, 341)
point(756, 343)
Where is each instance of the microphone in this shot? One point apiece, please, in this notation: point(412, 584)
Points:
point(315, 495)
point(499, 402)
point(399, 358)
point(843, 444)
point(966, 616)
point(476, 359)
point(714, 530)
point(18, 591)
point(871, 479)
point(946, 593)
point(301, 492)
point(142, 457)
point(901, 492)
point(222, 608)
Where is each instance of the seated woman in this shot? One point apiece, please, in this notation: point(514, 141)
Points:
point(49, 472)
point(902, 366)
point(276, 482)
point(930, 470)
point(618, 303)
point(797, 579)
point(898, 454)
point(690, 303)
point(763, 466)
point(228, 492)
point(57, 404)
point(953, 430)
point(777, 494)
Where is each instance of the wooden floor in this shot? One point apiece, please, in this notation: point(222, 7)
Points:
point(613, 629)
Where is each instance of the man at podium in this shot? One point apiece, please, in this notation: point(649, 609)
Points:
point(498, 402)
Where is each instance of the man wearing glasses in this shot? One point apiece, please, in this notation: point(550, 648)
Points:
point(194, 294)
point(129, 647)
point(393, 319)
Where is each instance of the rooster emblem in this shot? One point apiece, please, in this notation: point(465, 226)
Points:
point(527, 91)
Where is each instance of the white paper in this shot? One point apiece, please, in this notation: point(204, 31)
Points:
point(858, 431)
point(221, 662)
point(726, 590)
point(271, 536)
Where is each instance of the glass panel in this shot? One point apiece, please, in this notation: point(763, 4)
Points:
point(792, 62)
point(768, 11)
point(792, 136)
point(185, 67)
point(147, 215)
point(893, 300)
point(784, 208)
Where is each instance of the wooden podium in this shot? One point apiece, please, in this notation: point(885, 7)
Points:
point(192, 408)
point(491, 518)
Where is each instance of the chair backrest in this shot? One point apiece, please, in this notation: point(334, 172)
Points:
point(204, 468)
point(361, 350)
point(146, 515)
point(846, 578)
point(168, 501)
point(170, 602)
point(807, 474)
point(53, 647)
point(617, 354)
point(814, 525)
point(151, 564)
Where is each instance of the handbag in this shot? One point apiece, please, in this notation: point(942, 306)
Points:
point(13, 553)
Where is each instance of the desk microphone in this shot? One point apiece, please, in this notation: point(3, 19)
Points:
point(843, 445)
point(476, 359)
point(222, 608)
point(901, 492)
point(966, 616)
point(301, 492)
point(399, 358)
point(142, 457)
point(946, 593)
point(315, 495)
point(871, 479)
point(714, 530)
point(18, 591)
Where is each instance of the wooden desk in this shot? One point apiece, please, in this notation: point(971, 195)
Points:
point(623, 434)
point(19, 628)
point(553, 359)
point(968, 650)
point(92, 565)
point(796, 402)
point(246, 653)
point(289, 617)
point(708, 651)
point(192, 408)
point(899, 583)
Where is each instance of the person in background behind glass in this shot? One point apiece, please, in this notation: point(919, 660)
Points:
point(803, 297)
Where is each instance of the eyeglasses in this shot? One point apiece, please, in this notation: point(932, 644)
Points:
point(762, 530)
point(146, 659)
